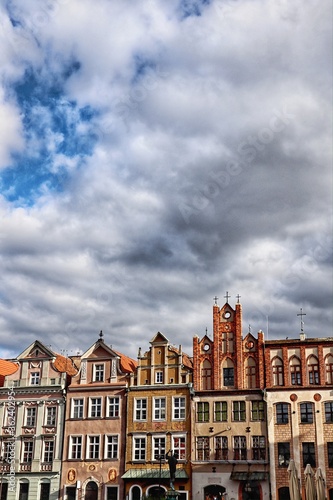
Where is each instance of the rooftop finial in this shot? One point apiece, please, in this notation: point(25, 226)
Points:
point(238, 297)
point(227, 297)
point(101, 335)
point(215, 300)
point(301, 314)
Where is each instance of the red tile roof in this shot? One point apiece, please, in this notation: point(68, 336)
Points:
point(127, 364)
point(7, 367)
point(63, 364)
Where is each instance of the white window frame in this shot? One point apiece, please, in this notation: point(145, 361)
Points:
point(28, 417)
point(142, 411)
point(30, 452)
point(159, 377)
point(159, 412)
point(114, 446)
point(95, 405)
point(177, 448)
point(157, 446)
point(35, 378)
point(181, 408)
point(77, 406)
point(51, 411)
point(70, 447)
point(144, 440)
point(99, 369)
point(115, 405)
point(48, 440)
point(93, 440)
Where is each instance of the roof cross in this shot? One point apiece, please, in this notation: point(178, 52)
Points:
point(227, 296)
point(301, 314)
point(215, 300)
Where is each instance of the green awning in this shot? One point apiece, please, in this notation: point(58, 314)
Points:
point(248, 476)
point(152, 474)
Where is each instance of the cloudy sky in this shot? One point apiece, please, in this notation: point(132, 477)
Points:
point(155, 154)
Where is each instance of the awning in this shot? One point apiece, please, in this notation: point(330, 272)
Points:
point(248, 476)
point(152, 474)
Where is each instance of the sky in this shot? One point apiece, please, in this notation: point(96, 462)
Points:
point(157, 154)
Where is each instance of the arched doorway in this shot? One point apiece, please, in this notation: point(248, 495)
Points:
point(251, 490)
point(213, 492)
point(91, 491)
point(156, 492)
point(135, 493)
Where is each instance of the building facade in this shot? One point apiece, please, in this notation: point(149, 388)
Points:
point(158, 420)
point(229, 434)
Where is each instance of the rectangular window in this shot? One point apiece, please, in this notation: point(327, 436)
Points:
point(203, 448)
point(113, 407)
point(179, 408)
point(51, 415)
point(330, 454)
point(93, 447)
point(283, 454)
point(306, 413)
point(309, 454)
point(159, 408)
point(203, 412)
point(329, 413)
point(45, 491)
point(179, 446)
point(77, 408)
point(6, 450)
point(240, 452)
point(111, 447)
point(111, 493)
point(75, 447)
point(28, 450)
point(158, 447)
point(159, 377)
point(24, 491)
point(258, 448)
point(139, 449)
point(257, 411)
point(221, 448)
point(220, 411)
point(228, 377)
point(141, 409)
point(98, 373)
point(95, 407)
point(238, 411)
point(71, 492)
point(282, 413)
point(31, 414)
point(48, 450)
point(34, 378)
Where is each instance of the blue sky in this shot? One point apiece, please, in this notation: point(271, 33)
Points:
point(157, 154)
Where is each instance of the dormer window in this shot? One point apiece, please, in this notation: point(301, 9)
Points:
point(34, 378)
point(159, 377)
point(98, 373)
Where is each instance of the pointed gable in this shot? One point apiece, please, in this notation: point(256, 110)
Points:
point(36, 350)
point(159, 338)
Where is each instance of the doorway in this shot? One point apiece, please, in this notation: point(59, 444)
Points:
point(213, 492)
point(91, 491)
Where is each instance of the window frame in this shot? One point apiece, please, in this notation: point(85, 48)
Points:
point(111, 449)
point(93, 447)
point(48, 452)
point(113, 403)
point(31, 420)
point(306, 411)
point(178, 408)
point(95, 406)
point(77, 446)
point(159, 409)
point(328, 405)
point(202, 447)
point(78, 407)
point(99, 372)
point(240, 412)
point(280, 415)
point(141, 440)
point(202, 411)
point(223, 411)
point(260, 410)
point(140, 409)
point(51, 415)
point(34, 378)
point(283, 450)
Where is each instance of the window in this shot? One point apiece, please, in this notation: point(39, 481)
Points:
point(227, 342)
point(31, 414)
point(277, 371)
point(220, 411)
point(34, 378)
point(309, 455)
point(240, 448)
point(71, 492)
point(250, 373)
point(206, 375)
point(45, 491)
point(313, 370)
point(329, 369)
point(111, 447)
point(95, 407)
point(48, 450)
point(179, 446)
point(28, 448)
point(295, 371)
point(159, 408)
point(75, 447)
point(93, 447)
point(158, 447)
point(112, 493)
point(98, 373)
point(329, 412)
point(221, 448)
point(203, 448)
point(159, 377)
point(282, 413)
point(179, 408)
point(24, 491)
point(228, 377)
point(202, 412)
point(141, 409)
point(77, 408)
point(258, 448)
point(139, 448)
point(330, 454)
point(238, 411)
point(283, 454)
point(257, 410)
point(306, 413)
point(6, 447)
point(51, 415)
point(113, 407)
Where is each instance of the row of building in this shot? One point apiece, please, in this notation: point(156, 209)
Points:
point(98, 426)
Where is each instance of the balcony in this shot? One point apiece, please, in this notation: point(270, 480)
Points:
point(46, 467)
point(25, 467)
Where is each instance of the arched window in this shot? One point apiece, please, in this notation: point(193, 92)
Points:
point(329, 369)
point(284, 493)
point(277, 371)
point(295, 370)
point(228, 373)
point(91, 491)
point(24, 489)
point(313, 369)
point(250, 373)
point(135, 493)
point(227, 342)
point(206, 375)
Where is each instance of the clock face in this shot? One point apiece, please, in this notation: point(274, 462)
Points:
point(206, 347)
point(227, 315)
